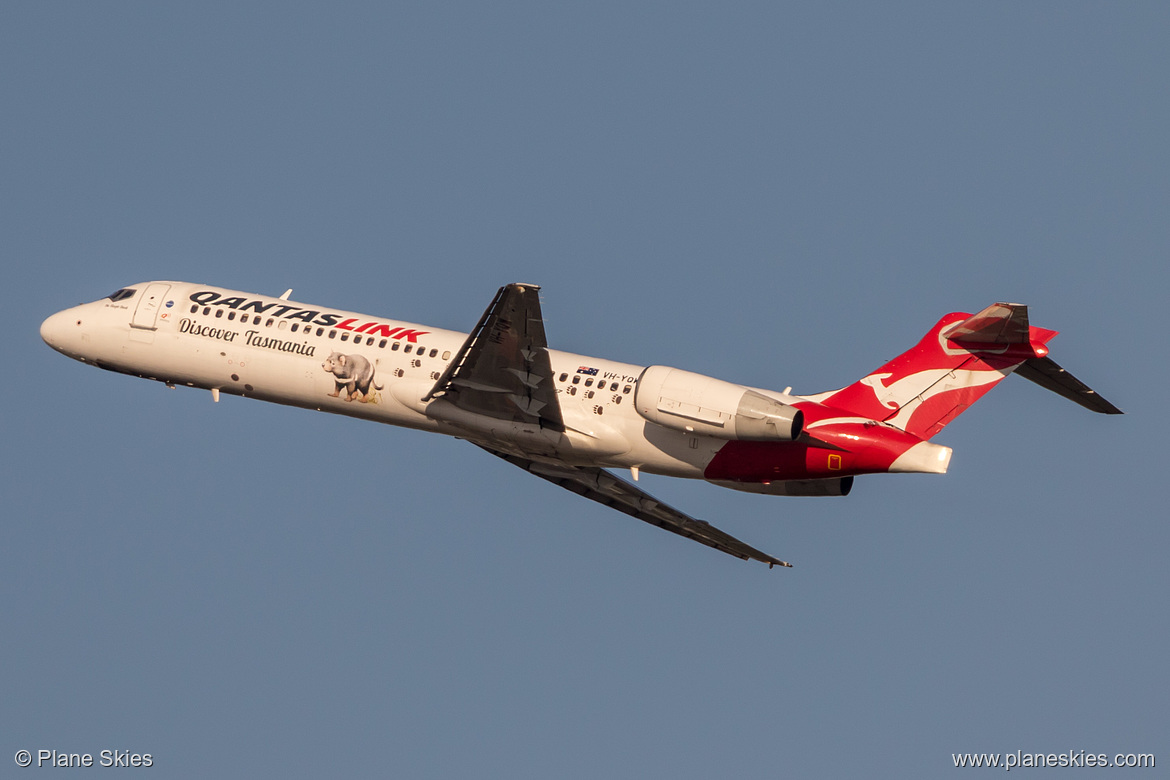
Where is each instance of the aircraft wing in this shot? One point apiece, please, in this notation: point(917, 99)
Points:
point(605, 488)
point(503, 368)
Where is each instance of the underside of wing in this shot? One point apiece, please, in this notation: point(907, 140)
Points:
point(600, 485)
point(503, 369)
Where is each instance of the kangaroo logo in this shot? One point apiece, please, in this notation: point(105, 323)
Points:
point(874, 382)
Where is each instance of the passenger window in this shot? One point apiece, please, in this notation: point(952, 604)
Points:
point(206, 310)
point(576, 379)
point(345, 337)
point(434, 352)
point(218, 313)
point(231, 315)
point(447, 355)
point(320, 331)
point(394, 347)
point(194, 308)
point(564, 377)
point(407, 349)
point(589, 382)
point(282, 325)
point(626, 390)
point(294, 327)
point(369, 341)
point(269, 323)
point(332, 334)
point(382, 344)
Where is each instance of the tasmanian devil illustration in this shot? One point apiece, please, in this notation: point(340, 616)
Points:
point(352, 373)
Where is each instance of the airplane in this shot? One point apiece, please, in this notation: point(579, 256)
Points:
point(563, 417)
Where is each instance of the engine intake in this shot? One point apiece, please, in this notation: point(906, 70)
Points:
point(694, 403)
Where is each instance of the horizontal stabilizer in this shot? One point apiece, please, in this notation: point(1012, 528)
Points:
point(999, 323)
point(1046, 373)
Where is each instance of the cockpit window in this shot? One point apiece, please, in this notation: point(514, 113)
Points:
point(121, 295)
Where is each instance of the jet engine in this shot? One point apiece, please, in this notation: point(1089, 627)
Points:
point(693, 403)
point(832, 486)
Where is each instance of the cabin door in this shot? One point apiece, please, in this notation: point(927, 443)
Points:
point(146, 313)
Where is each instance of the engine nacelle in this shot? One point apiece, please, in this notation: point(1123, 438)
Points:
point(694, 403)
point(831, 486)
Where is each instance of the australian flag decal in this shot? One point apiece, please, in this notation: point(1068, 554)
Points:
point(587, 370)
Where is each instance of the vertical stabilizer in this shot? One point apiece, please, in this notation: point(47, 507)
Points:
point(956, 362)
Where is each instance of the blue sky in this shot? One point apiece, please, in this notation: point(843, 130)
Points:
point(772, 194)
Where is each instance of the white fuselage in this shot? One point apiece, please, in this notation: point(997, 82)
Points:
point(279, 350)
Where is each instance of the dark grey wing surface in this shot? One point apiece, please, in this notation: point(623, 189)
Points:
point(503, 368)
point(603, 487)
point(1046, 373)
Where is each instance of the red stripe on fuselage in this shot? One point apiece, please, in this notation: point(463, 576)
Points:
point(865, 448)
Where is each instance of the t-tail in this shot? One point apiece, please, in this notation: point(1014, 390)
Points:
point(956, 362)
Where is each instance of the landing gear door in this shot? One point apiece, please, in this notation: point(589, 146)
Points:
point(146, 312)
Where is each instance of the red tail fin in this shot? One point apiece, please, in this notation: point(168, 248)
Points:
point(961, 358)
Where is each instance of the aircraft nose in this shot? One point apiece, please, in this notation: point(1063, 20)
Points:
point(57, 329)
